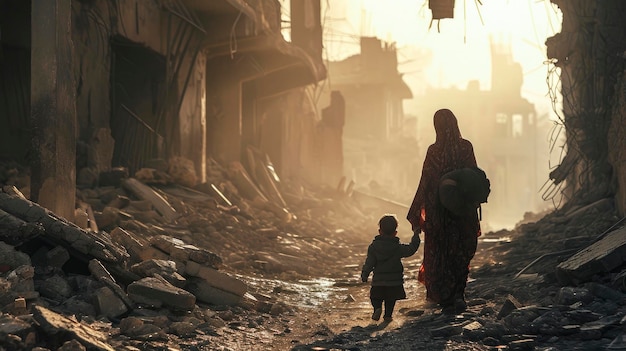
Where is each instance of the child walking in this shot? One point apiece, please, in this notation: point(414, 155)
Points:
point(384, 258)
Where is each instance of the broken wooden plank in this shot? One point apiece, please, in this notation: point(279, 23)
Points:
point(145, 192)
point(268, 185)
point(219, 194)
point(263, 171)
point(244, 183)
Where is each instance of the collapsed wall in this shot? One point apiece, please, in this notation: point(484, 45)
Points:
point(590, 53)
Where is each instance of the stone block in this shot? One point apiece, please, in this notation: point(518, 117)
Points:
point(109, 217)
point(55, 288)
point(569, 295)
point(12, 325)
point(102, 274)
point(602, 256)
point(209, 294)
point(181, 251)
point(57, 257)
point(108, 303)
point(216, 278)
point(157, 289)
point(138, 249)
point(509, 305)
point(11, 257)
point(164, 268)
point(21, 279)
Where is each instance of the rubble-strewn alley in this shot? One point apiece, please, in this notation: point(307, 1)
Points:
point(226, 272)
point(192, 175)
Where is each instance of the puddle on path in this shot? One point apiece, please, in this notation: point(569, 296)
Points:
point(313, 292)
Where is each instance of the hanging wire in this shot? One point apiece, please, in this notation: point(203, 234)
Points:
point(233, 36)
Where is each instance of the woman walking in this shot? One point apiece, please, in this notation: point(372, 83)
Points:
point(449, 240)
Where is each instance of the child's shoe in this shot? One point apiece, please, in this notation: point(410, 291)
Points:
point(377, 313)
point(388, 319)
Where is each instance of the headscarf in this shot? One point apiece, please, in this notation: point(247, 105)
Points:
point(448, 140)
point(446, 127)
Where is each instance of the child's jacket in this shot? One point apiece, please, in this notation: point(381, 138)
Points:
point(383, 257)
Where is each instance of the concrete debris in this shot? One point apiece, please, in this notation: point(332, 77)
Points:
point(61, 231)
point(144, 192)
point(53, 323)
point(157, 292)
point(601, 257)
point(509, 305)
point(143, 264)
point(170, 263)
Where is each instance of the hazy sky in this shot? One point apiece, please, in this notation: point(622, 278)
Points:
point(460, 51)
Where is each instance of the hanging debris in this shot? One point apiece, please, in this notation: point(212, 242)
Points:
point(441, 8)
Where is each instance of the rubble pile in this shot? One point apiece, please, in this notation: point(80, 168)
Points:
point(148, 260)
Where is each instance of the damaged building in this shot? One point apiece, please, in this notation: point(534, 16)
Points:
point(590, 51)
point(105, 84)
point(379, 152)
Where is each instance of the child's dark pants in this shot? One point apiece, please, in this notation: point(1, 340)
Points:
point(388, 294)
point(389, 305)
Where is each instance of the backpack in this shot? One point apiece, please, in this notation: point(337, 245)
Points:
point(461, 191)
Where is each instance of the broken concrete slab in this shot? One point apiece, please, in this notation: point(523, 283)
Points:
point(54, 323)
point(216, 278)
point(138, 249)
point(602, 256)
point(15, 231)
point(144, 192)
point(181, 251)
point(151, 290)
point(165, 268)
point(207, 293)
point(15, 326)
point(63, 232)
point(101, 274)
point(57, 256)
point(21, 280)
point(108, 303)
point(56, 288)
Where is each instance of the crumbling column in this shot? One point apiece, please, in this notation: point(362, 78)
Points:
point(53, 107)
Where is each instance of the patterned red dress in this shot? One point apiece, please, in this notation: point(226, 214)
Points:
point(449, 240)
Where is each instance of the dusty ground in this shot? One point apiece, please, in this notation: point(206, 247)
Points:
point(332, 311)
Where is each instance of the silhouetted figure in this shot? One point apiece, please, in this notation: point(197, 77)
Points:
point(449, 240)
point(331, 131)
point(384, 258)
